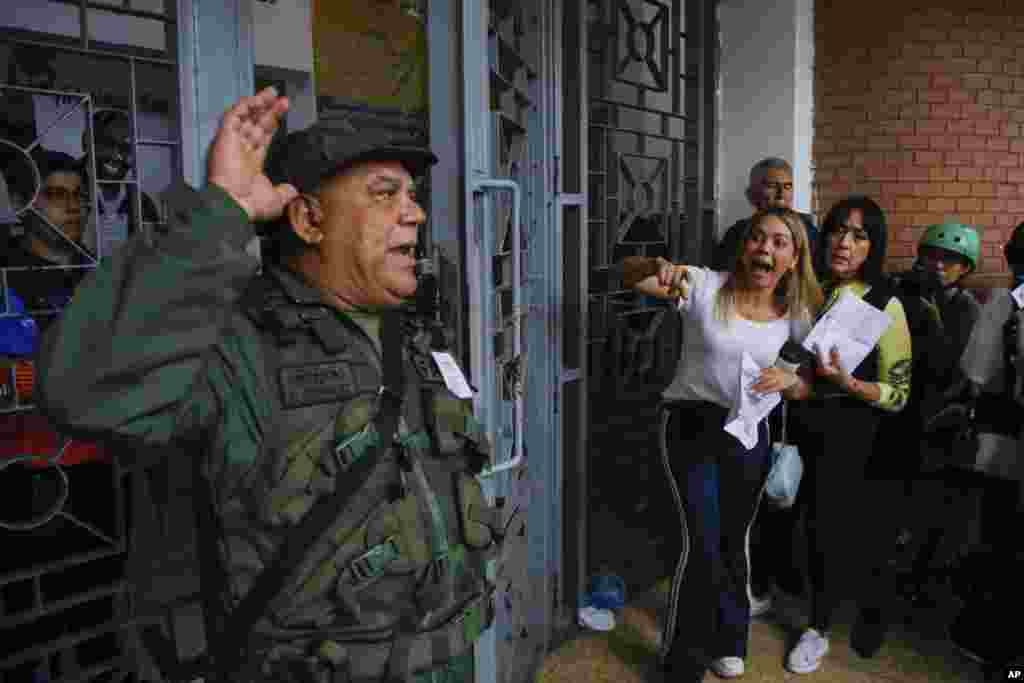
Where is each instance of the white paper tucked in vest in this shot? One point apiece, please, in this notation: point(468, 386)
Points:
point(851, 325)
point(452, 374)
point(751, 407)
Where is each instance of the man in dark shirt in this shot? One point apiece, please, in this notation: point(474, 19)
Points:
point(771, 186)
point(115, 163)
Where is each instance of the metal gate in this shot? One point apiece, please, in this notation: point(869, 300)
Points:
point(509, 270)
point(637, 85)
point(72, 71)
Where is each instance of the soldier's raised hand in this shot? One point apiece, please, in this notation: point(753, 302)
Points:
point(239, 150)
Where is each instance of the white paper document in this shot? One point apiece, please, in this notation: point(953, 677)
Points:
point(751, 407)
point(452, 373)
point(853, 326)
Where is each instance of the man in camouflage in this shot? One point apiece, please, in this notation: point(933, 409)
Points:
point(278, 382)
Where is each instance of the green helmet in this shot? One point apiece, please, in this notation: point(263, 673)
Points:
point(955, 237)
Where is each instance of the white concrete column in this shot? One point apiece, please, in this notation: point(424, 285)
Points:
point(766, 97)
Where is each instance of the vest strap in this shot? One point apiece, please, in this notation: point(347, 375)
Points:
point(373, 562)
point(324, 512)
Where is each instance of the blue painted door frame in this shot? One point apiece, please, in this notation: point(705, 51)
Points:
point(493, 214)
point(215, 69)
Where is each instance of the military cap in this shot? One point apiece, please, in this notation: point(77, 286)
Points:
point(307, 157)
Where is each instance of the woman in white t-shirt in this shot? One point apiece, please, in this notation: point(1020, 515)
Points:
point(769, 297)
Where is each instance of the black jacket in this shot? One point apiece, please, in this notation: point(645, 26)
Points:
point(40, 290)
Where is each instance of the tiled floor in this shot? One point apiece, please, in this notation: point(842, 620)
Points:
point(639, 530)
point(913, 653)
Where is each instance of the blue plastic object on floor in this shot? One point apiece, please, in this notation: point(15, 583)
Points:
point(607, 591)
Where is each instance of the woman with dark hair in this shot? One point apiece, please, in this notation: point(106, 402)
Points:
point(836, 431)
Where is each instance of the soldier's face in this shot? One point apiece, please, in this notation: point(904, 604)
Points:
point(371, 224)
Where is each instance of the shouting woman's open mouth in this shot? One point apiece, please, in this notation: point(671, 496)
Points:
point(761, 264)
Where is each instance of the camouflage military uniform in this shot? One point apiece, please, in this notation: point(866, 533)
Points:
point(181, 342)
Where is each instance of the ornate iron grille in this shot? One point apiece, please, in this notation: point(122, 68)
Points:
point(514, 60)
point(650, 66)
point(639, 141)
point(64, 601)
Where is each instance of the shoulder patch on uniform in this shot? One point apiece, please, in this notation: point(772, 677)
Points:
point(312, 383)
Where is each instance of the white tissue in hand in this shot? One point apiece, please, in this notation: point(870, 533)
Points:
point(751, 407)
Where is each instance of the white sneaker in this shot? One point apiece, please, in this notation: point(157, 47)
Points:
point(728, 667)
point(759, 606)
point(806, 656)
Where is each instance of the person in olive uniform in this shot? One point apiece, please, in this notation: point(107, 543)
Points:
point(278, 383)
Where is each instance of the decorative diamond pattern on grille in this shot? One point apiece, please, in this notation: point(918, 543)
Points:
point(642, 57)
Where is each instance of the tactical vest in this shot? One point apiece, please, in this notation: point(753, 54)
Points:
point(397, 586)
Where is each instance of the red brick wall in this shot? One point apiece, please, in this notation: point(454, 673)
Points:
point(922, 109)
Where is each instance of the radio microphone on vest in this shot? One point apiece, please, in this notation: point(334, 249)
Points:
point(426, 287)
